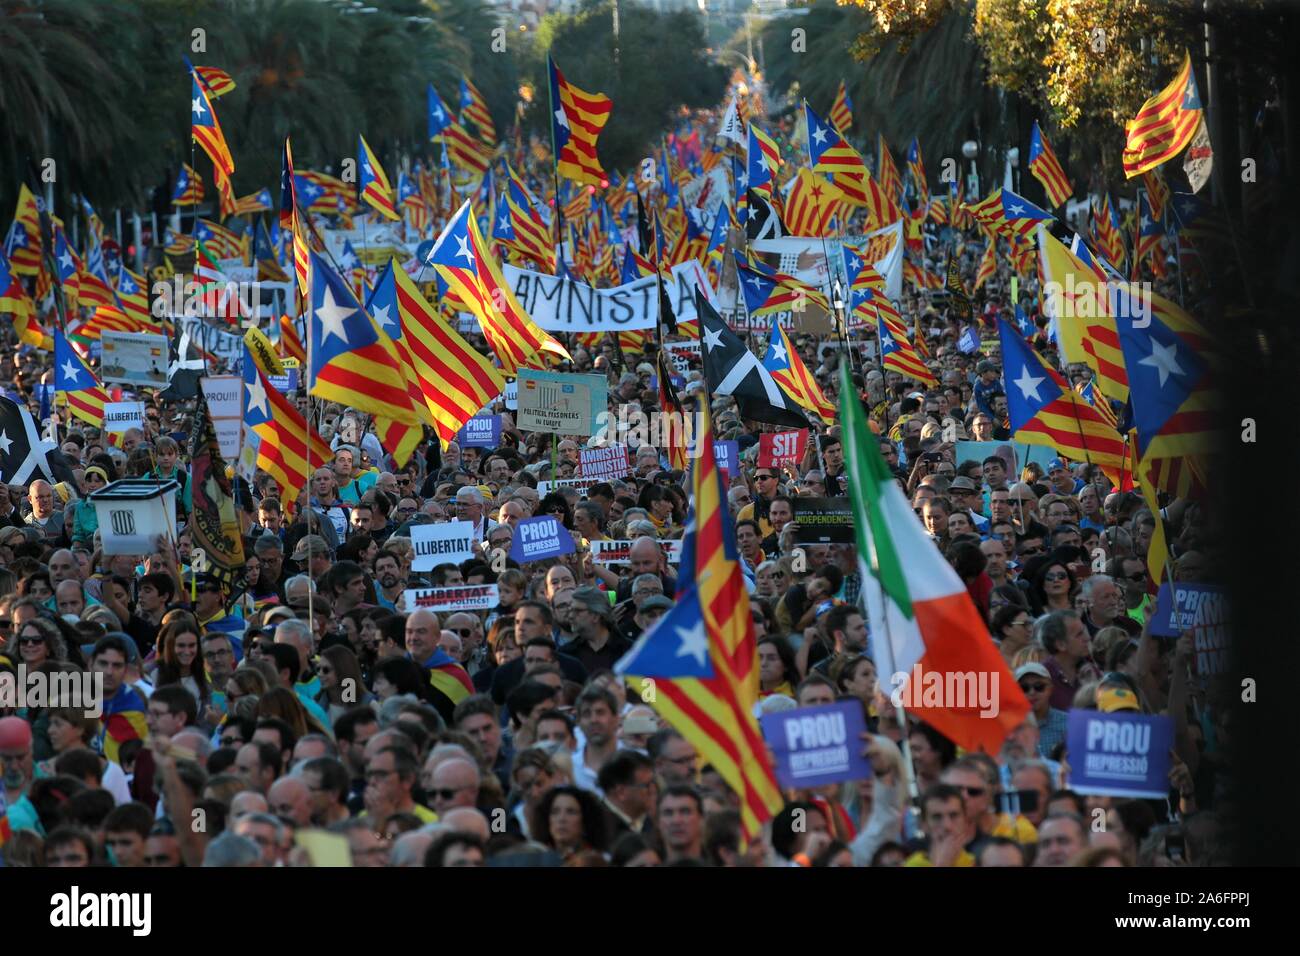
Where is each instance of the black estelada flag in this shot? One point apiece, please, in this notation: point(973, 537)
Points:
point(731, 369)
point(762, 221)
point(214, 525)
point(24, 455)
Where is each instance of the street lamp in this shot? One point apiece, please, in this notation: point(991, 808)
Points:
point(971, 149)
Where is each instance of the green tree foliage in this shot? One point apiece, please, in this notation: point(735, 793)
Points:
point(662, 67)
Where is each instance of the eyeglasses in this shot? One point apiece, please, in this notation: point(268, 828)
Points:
point(1023, 622)
point(1055, 576)
point(763, 477)
point(29, 639)
point(974, 791)
point(217, 654)
point(444, 793)
point(462, 631)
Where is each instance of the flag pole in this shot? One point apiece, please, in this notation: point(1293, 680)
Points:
point(555, 165)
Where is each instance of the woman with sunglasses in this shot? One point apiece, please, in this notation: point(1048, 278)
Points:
point(557, 506)
point(1012, 628)
point(1052, 587)
point(36, 642)
point(659, 506)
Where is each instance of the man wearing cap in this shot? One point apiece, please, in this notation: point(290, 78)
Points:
point(312, 555)
point(985, 385)
point(596, 643)
point(16, 810)
point(965, 496)
point(1059, 477)
point(210, 609)
point(1036, 682)
point(650, 611)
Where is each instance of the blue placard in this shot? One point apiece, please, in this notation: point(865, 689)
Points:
point(285, 383)
point(539, 538)
point(727, 454)
point(1160, 619)
point(1121, 754)
point(481, 431)
point(813, 746)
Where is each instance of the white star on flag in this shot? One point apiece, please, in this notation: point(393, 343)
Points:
point(5, 442)
point(819, 135)
point(778, 353)
point(331, 315)
point(380, 315)
point(462, 248)
point(1164, 360)
point(70, 369)
point(1028, 384)
point(561, 119)
point(197, 107)
point(257, 397)
point(712, 338)
point(694, 643)
point(1015, 209)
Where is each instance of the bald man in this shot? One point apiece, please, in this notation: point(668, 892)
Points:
point(44, 517)
point(290, 798)
point(467, 820)
point(646, 557)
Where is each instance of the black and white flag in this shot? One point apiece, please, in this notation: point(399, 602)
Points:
point(762, 221)
point(24, 454)
point(732, 369)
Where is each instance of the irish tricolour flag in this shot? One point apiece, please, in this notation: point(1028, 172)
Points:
point(923, 622)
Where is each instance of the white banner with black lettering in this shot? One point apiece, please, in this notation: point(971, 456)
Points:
point(450, 542)
point(563, 305)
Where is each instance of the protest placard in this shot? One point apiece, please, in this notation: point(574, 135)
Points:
point(481, 431)
point(134, 358)
point(782, 449)
point(602, 464)
point(814, 746)
point(449, 542)
point(539, 538)
point(119, 416)
point(620, 552)
point(823, 520)
point(1120, 754)
point(560, 403)
point(461, 597)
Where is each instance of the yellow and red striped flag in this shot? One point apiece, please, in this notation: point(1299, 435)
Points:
point(841, 114)
point(890, 180)
point(577, 118)
point(988, 264)
point(206, 129)
point(473, 107)
point(1165, 124)
point(290, 341)
point(811, 205)
point(1047, 169)
point(790, 372)
point(372, 182)
point(23, 241)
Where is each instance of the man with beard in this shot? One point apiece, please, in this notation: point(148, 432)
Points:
point(389, 577)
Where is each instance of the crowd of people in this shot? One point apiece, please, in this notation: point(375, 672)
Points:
point(311, 698)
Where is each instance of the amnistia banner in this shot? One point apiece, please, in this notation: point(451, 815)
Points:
point(563, 305)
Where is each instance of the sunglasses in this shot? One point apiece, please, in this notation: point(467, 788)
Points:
point(444, 793)
point(31, 640)
point(974, 791)
point(1055, 576)
point(1033, 688)
point(462, 631)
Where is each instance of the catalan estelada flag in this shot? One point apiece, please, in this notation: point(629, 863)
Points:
point(473, 107)
point(762, 160)
point(887, 170)
point(462, 258)
point(922, 619)
point(23, 240)
point(260, 201)
point(831, 154)
point(123, 720)
point(291, 346)
point(1005, 214)
point(352, 361)
point(225, 192)
point(189, 187)
point(373, 186)
point(81, 388)
point(897, 353)
point(702, 657)
point(789, 370)
point(842, 109)
point(1044, 410)
point(283, 450)
point(577, 117)
point(519, 226)
point(1047, 168)
point(217, 80)
point(917, 167)
point(988, 267)
point(1165, 124)
point(1106, 231)
point(811, 205)
point(453, 378)
point(206, 129)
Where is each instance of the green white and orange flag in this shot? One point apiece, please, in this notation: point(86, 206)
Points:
point(923, 622)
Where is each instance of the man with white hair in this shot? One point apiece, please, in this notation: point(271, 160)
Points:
point(469, 507)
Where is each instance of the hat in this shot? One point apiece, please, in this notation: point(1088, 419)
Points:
point(15, 733)
point(962, 484)
point(657, 602)
point(1038, 670)
point(1055, 465)
point(96, 470)
point(593, 599)
point(203, 582)
point(310, 544)
point(1111, 699)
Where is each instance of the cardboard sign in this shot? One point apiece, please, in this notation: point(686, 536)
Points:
point(681, 353)
point(481, 431)
point(448, 543)
point(560, 403)
point(464, 597)
point(228, 434)
point(620, 552)
point(1202, 610)
point(1123, 754)
point(119, 416)
point(779, 449)
point(824, 520)
point(224, 394)
point(603, 464)
point(134, 358)
point(817, 745)
point(539, 538)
